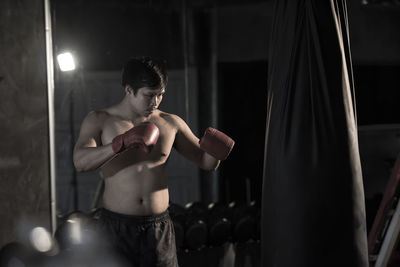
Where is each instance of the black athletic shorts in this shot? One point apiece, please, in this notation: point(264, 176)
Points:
point(142, 241)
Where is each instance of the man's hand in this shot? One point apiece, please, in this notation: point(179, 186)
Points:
point(141, 136)
point(216, 143)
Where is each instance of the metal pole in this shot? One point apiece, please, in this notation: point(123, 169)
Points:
point(185, 58)
point(214, 92)
point(50, 99)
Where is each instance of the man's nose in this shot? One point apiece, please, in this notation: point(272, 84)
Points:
point(154, 101)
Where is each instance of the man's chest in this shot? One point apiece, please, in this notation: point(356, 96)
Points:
point(112, 128)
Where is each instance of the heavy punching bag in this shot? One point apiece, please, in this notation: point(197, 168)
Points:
point(313, 211)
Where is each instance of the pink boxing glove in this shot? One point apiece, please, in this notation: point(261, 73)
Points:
point(216, 143)
point(142, 136)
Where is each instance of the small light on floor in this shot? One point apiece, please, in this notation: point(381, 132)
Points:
point(41, 239)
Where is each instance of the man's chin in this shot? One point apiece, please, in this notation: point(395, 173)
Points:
point(148, 113)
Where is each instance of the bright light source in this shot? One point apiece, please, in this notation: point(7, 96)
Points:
point(66, 61)
point(41, 239)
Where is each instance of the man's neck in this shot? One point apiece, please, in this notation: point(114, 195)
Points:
point(128, 113)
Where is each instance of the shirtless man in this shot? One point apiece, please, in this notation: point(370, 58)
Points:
point(130, 143)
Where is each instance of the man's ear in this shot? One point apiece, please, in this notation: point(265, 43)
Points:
point(128, 89)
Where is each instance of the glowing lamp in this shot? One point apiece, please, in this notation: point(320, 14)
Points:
point(66, 61)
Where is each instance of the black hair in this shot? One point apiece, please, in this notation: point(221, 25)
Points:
point(144, 72)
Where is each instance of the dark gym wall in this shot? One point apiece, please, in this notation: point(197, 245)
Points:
point(243, 32)
point(374, 33)
point(24, 157)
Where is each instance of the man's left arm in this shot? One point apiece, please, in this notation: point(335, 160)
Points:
point(207, 152)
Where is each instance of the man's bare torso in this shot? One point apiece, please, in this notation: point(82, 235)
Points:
point(136, 183)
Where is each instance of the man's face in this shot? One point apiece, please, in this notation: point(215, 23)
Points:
point(147, 100)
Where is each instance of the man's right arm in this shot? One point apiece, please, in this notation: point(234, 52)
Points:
point(89, 153)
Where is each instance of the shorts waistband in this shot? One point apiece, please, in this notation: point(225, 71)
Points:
point(139, 219)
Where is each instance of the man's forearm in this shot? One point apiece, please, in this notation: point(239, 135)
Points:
point(90, 158)
point(208, 162)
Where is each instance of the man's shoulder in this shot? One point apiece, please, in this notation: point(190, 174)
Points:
point(170, 118)
point(96, 116)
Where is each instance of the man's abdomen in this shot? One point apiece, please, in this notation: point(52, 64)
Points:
point(137, 193)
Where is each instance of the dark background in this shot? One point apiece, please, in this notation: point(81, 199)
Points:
point(225, 46)
point(217, 54)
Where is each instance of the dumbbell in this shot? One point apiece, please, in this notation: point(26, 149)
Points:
point(15, 254)
point(219, 224)
point(244, 221)
point(76, 230)
point(195, 225)
point(21, 254)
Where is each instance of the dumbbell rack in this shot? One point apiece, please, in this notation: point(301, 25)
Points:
point(384, 234)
